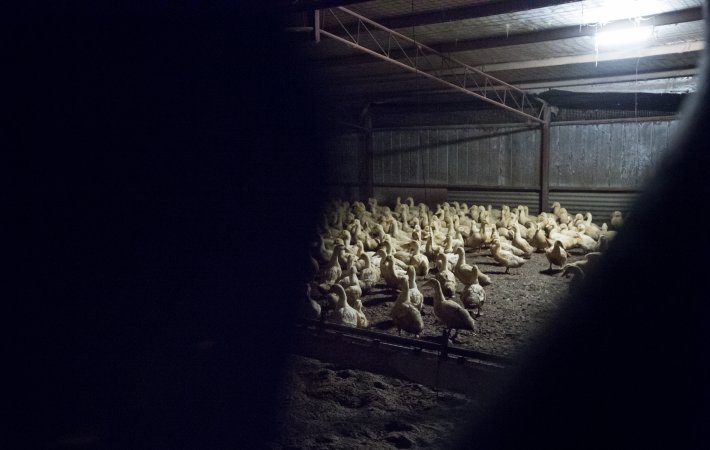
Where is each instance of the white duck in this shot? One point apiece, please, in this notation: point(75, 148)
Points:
point(401, 258)
point(332, 272)
point(606, 232)
point(617, 220)
point(391, 273)
point(567, 241)
point(539, 240)
point(450, 313)
point(353, 291)
point(405, 315)
point(418, 260)
point(431, 249)
point(343, 313)
point(476, 238)
point(362, 321)
point(465, 273)
point(506, 246)
point(522, 244)
point(585, 242)
point(505, 258)
point(591, 229)
point(556, 255)
point(446, 278)
point(473, 296)
point(324, 253)
point(369, 275)
point(415, 297)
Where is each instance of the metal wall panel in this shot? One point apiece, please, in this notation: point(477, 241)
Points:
point(586, 157)
point(601, 205)
point(343, 157)
point(606, 155)
point(464, 156)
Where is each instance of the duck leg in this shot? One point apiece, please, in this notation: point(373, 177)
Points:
point(507, 270)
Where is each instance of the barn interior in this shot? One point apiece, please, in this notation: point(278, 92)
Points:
point(461, 124)
point(509, 250)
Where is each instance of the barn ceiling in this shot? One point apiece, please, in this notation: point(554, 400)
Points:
point(538, 46)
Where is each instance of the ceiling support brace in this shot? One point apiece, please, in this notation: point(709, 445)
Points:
point(419, 57)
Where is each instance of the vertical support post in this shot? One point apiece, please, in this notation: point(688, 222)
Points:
point(367, 155)
point(316, 25)
point(545, 159)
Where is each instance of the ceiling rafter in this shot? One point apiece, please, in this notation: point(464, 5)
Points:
point(312, 5)
point(669, 18)
point(468, 12)
point(398, 94)
point(468, 80)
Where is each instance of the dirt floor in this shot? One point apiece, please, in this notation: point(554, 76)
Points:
point(331, 407)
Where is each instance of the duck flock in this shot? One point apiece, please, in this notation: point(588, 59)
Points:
point(362, 246)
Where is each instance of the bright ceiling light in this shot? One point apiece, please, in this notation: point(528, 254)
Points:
point(621, 9)
point(623, 36)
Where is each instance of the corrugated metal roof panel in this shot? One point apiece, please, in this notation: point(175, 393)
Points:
point(395, 8)
point(530, 20)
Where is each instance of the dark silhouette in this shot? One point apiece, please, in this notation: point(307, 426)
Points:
point(160, 149)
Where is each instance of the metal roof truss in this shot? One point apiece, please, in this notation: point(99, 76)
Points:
point(376, 40)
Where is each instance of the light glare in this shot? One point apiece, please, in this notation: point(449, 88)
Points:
point(620, 9)
point(624, 36)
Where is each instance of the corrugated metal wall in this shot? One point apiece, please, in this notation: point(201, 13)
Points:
point(458, 156)
point(588, 162)
point(343, 157)
point(608, 155)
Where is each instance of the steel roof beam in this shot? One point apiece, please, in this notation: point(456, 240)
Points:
point(467, 79)
point(571, 32)
point(684, 47)
point(555, 34)
point(397, 95)
point(312, 5)
point(468, 12)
